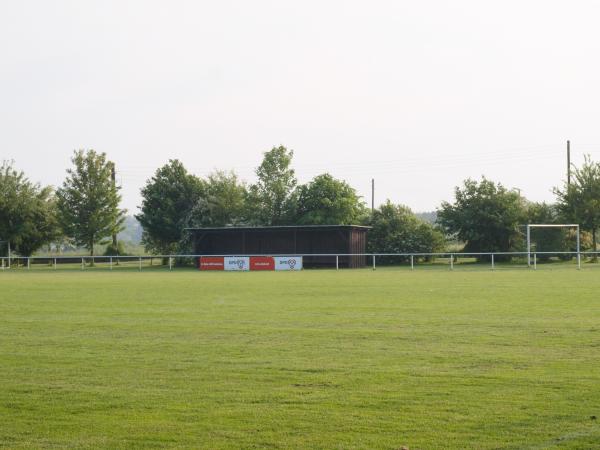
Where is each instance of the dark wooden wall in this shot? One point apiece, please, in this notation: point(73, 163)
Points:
point(301, 241)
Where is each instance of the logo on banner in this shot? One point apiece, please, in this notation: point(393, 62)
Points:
point(236, 263)
point(288, 263)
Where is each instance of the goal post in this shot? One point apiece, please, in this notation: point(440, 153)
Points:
point(552, 225)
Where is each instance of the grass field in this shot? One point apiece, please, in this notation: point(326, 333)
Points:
point(317, 359)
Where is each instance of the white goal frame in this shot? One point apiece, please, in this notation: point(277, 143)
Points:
point(549, 225)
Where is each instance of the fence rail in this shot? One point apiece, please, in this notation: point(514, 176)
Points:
point(531, 259)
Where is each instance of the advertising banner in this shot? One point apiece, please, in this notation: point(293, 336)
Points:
point(212, 263)
point(262, 263)
point(288, 263)
point(237, 263)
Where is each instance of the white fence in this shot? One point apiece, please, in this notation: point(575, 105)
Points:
point(337, 261)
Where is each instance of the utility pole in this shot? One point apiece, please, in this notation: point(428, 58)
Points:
point(113, 179)
point(372, 195)
point(568, 164)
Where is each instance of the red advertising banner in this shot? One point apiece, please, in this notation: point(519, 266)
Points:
point(212, 263)
point(262, 263)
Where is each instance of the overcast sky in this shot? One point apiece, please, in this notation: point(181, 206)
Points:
point(416, 94)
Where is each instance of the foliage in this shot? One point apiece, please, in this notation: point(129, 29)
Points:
point(580, 202)
point(269, 199)
point(167, 199)
point(222, 202)
point(485, 215)
point(119, 250)
point(328, 201)
point(88, 202)
point(397, 230)
point(28, 217)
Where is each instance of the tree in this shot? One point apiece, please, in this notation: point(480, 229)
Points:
point(580, 201)
point(395, 229)
point(270, 196)
point(88, 202)
point(485, 215)
point(221, 204)
point(27, 212)
point(167, 199)
point(325, 200)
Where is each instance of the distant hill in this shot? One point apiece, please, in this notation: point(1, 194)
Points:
point(132, 232)
point(430, 216)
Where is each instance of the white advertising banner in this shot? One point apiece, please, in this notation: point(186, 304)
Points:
point(288, 263)
point(237, 263)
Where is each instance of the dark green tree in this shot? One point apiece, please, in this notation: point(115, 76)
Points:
point(484, 215)
point(328, 201)
point(269, 198)
point(88, 202)
point(579, 202)
point(28, 218)
point(395, 229)
point(167, 199)
point(222, 202)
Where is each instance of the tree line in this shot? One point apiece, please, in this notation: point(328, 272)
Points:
point(85, 210)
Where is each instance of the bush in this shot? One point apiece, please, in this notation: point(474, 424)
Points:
point(397, 230)
point(111, 250)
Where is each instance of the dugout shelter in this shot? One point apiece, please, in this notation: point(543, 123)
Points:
point(317, 243)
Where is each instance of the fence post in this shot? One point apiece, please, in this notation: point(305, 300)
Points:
point(492, 261)
point(140, 263)
point(337, 262)
point(373, 262)
point(54, 263)
point(412, 262)
point(170, 263)
point(535, 261)
point(82, 264)
point(110, 263)
point(451, 261)
point(28, 263)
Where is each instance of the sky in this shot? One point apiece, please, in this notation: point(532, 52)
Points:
point(418, 95)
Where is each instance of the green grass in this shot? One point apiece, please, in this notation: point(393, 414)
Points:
point(357, 359)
